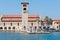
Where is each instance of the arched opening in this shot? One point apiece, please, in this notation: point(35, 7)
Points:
point(9, 27)
point(48, 27)
point(24, 8)
point(40, 28)
point(1, 27)
point(14, 28)
point(5, 28)
point(44, 27)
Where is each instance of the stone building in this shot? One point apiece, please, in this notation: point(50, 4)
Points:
point(24, 22)
point(56, 23)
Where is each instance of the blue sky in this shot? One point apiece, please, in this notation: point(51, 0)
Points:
point(44, 8)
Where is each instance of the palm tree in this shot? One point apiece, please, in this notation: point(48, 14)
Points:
point(48, 20)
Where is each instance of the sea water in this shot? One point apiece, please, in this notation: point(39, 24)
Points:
point(25, 36)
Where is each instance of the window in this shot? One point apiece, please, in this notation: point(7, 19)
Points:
point(35, 27)
point(13, 27)
point(24, 5)
point(11, 24)
point(4, 24)
point(57, 26)
point(24, 8)
point(32, 23)
point(24, 28)
point(9, 27)
point(5, 27)
point(1, 27)
point(18, 24)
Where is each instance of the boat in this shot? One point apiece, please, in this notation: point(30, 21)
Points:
point(40, 32)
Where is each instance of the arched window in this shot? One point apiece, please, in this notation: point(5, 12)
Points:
point(18, 24)
point(4, 24)
point(35, 27)
point(24, 27)
point(24, 8)
point(11, 24)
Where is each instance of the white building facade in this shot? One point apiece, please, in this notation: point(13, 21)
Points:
point(56, 23)
point(21, 22)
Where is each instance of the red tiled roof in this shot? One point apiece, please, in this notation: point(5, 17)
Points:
point(57, 20)
point(12, 18)
point(19, 15)
point(11, 15)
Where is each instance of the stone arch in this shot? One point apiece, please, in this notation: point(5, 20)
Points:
point(5, 28)
point(1, 28)
point(44, 27)
point(13, 28)
point(9, 28)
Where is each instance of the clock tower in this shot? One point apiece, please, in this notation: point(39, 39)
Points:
point(25, 15)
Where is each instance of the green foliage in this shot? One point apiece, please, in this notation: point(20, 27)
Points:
point(47, 19)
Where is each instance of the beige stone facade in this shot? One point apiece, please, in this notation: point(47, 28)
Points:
point(22, 22)
point(56, 24)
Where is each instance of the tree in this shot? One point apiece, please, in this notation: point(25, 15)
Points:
point(48, 20)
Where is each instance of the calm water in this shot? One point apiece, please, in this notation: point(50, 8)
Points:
point(19, 36)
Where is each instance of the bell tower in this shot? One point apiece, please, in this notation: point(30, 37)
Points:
point(25, 15)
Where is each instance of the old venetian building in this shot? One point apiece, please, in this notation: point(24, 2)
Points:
point(22, 22)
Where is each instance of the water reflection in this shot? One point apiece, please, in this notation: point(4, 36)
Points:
point(21, 36)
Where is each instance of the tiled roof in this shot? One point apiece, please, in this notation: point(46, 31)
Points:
point(11, 15)
point(19, 15)
point(11, 18)
point(57, 19)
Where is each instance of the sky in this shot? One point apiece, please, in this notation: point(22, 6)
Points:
point(44, 8)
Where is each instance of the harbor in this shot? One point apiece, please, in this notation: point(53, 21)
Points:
point(29, 20)
point(20, 36)
point(29, 23)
